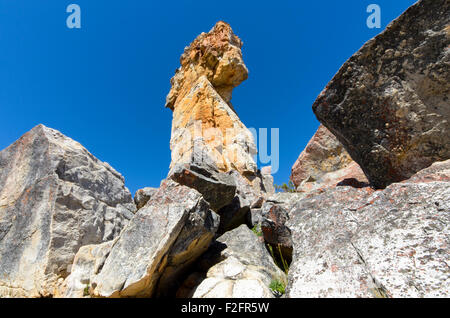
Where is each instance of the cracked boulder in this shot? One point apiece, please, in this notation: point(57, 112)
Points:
point(241, 268)
point(389, 104)
point(164, 237)
point(54, 198)
point(351, 242)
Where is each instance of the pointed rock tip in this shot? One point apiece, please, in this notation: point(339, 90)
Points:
point(42, 127)
point(39, 126)
point(220, 25)
point(216, 55)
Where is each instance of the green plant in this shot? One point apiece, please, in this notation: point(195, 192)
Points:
point(278, 286)
point(289, 187)
point(257, 230)
point(281, 263)
point(86, 290)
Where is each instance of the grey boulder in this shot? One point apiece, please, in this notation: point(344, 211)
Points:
point(163, 238)
point(217, 188)
point(54, 198)
point(352, 242)
point(142, 196)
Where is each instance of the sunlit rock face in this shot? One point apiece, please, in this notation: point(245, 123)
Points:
point(55, 197)
point(358, 242)
point(164, 237)
point(243, 268)
point(325, 163)
point(203, 117)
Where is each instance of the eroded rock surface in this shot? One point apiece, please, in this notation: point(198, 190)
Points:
point(54, 198)
point(351, 242)
point(169, 232)
point(200, 99)
point(324, 163)
point(87, 264)
point(389, 104)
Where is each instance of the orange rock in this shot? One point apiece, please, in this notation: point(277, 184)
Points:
point(200, 100)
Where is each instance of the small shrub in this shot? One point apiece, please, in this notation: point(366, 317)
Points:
point(257, 230)
point(278, 287)
point(86, 290)
point(289, 187)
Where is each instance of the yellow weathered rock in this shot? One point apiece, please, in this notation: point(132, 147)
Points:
point(200, 99)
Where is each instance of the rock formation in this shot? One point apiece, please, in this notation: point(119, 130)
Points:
point(389, 104)
point(217, 188)
point(351, 242)
point(176, 223)
point(69, 228)
point(267, 180)
point(54, 198)
point(203, 117)
point(168, 233)
point(243, 269)
point(324, 163)
point(142, 196)
point(87, 264)
point(212, 150)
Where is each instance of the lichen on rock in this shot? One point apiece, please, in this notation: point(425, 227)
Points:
point(389, 104)
point(55, 197)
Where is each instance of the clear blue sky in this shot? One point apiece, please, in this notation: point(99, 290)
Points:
point(105, 84)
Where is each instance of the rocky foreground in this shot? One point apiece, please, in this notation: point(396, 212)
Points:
point(370, 217)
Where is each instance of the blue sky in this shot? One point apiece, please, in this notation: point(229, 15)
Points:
point(105, 84)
